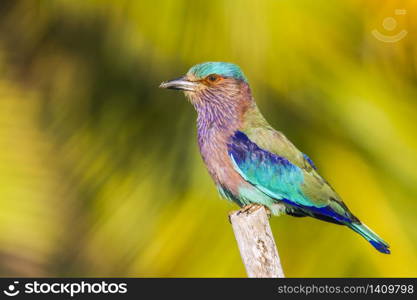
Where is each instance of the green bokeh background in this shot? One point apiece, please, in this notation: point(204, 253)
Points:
point(100, 173)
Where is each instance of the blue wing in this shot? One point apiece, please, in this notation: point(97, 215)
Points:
point(276, 176)
point(280, 179)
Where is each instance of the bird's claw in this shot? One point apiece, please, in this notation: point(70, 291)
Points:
point(248, 209)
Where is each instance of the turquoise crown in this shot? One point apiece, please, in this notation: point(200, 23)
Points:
point(221, 68)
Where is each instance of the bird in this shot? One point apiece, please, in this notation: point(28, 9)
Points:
point(250, 162)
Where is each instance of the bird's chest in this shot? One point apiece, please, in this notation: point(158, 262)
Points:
point(214, 151)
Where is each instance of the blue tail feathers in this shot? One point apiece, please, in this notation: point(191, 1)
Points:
point(380, 247)
point(378, 243)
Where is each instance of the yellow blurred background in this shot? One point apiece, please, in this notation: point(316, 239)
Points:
point(100, 173)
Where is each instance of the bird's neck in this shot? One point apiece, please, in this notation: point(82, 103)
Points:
point(216, 118)
point(219, 115)
point(223, 120)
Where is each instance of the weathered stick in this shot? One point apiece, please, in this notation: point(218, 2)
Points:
point(256, 242)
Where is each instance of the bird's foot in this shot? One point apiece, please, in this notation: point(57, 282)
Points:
point(248, 209)
point(251, 208)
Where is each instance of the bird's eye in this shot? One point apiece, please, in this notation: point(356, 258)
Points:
point(213, 78)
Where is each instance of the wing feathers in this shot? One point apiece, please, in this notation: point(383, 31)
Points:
point(277, 177)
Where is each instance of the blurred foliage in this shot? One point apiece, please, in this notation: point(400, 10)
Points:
point(100, 174)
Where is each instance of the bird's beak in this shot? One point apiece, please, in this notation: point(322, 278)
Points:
point(181, 83)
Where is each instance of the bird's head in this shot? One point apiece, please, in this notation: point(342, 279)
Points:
point(210, 81)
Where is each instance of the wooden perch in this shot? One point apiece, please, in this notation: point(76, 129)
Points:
point(256, 242)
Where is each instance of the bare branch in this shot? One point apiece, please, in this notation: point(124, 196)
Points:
point(256, 242)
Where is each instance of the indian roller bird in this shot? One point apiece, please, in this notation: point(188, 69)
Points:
point(251, 162)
